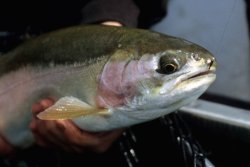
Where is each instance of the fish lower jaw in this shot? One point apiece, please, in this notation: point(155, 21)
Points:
point(196, 81)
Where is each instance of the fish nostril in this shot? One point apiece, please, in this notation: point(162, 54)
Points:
point(210, 62)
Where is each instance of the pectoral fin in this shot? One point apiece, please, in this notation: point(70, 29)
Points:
point(70, 107)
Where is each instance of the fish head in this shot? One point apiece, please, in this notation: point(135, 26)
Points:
point(180, 72)
point(159, 83)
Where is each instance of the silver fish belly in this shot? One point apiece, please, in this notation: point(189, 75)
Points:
point(101, 77)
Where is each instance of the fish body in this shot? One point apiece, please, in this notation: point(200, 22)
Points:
point(101, 77)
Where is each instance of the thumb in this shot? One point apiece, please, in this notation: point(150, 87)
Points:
point(42, 105)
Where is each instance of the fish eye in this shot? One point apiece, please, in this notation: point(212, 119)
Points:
point(167, 65)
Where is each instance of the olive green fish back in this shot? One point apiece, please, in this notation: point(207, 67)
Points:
point(83, 44)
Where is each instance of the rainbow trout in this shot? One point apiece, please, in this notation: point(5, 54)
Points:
point(101, 77)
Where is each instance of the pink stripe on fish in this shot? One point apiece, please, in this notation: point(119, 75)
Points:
point(117, 83)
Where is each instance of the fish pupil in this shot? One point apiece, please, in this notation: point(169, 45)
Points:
point(169, 68)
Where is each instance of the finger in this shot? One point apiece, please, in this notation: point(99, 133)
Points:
point(97, 142)
point(36, 108)
point(47, 102)
point(48, 133)
point(42, 105)
point(107, 140)
point(55, 130)
point(37, 127)
point(70, 138)
point(41, 141)
point(79, 137)
point(5, 147)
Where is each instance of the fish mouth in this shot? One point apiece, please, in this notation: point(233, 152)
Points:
point(197, 82)
point(198, 79)
point(200, 74)
point(191, 81)
point(204, 73)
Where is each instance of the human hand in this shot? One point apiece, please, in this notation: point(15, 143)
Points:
point(65, 135)
point(5, 147)
point(112, 23)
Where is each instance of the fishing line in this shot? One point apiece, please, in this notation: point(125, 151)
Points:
point(218, 50)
